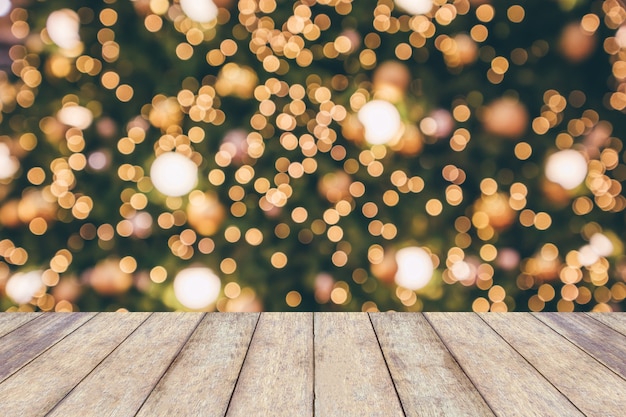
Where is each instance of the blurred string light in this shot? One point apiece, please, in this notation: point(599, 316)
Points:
point(8, 164)
point(201, 11)
point(415, 268)
point(5, 7)
point(23, 286)
point(567, 168)
point(395, 155)
point(63, 28)
point(173, 174)
point(381, 121)
point(196, 288)
point(415, 7)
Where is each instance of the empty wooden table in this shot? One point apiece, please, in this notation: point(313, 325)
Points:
point(305, 364)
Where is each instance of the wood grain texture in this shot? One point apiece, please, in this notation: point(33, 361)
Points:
point(30, 340)
point(202, 378)
point(593, 388)
point(11, 321)
point(351, 377)
point(507, 382)
point(616, 321)
point(277, 375)
point(428, 379)
point(121, 383)
point(603, 343)
point(37, 387)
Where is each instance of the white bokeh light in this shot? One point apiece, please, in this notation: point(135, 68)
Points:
point(601, 244)
point(196, 287)
point(174, 174)
point(62, 26)
point(8, 164)
point(462, 271)
point(5, 7)
point(381, 121)
point(415, 268)
point(568, 168)
point(587, 256)
point(415, 7)
point(201, 11)
point(22, 286)
point(76, 116)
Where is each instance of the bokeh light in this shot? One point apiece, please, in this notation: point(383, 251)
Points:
point(196, 287)
point(173, 174)
point(63, 28)
point(567, 168)
point(415, 268)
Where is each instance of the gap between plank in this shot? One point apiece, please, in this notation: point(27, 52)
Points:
point(443, 342)
point(243, 362)
point(97, 365)
point(527, 361)
point(167, 368)
point(46, 349)
point(380, 348)
point(578, 347)
point(23, 324)
point(603, 323)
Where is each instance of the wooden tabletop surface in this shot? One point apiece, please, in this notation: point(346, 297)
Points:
point(305, 364)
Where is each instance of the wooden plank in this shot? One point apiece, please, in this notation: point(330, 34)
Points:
point(428, 379)
point(30, 340)
point(603, 343)
point(11, 321)
point(277, 375)
point(202, 378)
point(506, 381)
point(351, 377)
point(616, 321)
point(121, 383)
point(55, 372)
point(591, 387)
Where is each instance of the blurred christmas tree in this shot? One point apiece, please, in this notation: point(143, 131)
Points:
point(312, 155)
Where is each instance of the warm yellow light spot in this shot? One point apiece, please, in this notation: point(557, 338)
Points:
point(488, 252)
point(293, 299)
point(254, 237)
point(485, 12)
point(158, 274)
point(515, 13)
point(124, 93)
point(434, 207)
point(479, 33)
point(523, 151)
point(461, 113)
point(278, 260)
point(228, 266)
point(339, 295)
point(232, 290)
point(128, 264)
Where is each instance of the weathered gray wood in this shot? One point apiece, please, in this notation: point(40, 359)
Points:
point(351, 377)
point(11, 321)
point(27, 342)
point(509, 384)
point(603, 343)
point(202, 378)
point(37, 387)
point(121, 383)
point(616, 321)
point(277, 375)
point(428, 379)
point(593, 388)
